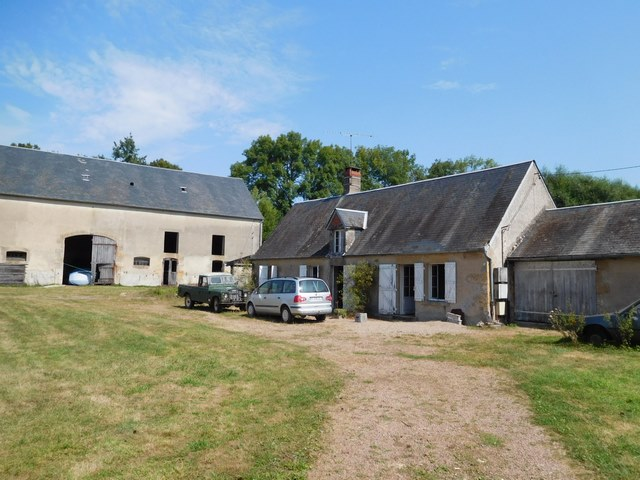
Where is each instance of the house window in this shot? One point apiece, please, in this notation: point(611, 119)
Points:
point(338, 241)
point(443, 282)
point(313, 271)
point(15, 255)
point(170, 242)
point(141, 261)
point(217, 266)
point(217, 245)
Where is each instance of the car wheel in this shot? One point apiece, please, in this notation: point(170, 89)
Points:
point(597, 336)
point(215, 305)
point(251, 310)
point(187, 301)
point(285, 314)
point(321, 318)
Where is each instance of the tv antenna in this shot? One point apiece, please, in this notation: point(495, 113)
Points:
point(351, 135)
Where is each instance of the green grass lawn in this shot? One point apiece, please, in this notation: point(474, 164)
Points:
point(98, 382)
point(589, 397)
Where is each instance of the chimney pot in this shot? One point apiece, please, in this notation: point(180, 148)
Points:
point(352, 180)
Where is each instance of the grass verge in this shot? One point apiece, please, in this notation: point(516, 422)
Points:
point(590, 397)
point(110, 382)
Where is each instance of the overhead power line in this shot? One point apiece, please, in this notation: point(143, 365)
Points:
point(606, 170)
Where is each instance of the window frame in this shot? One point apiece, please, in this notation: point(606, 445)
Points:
point(339, 240)
point(171, 242)
point(141, 261)
point(217, 245)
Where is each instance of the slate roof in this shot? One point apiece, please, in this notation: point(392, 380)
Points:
point(458, 213)
point(589, 231)
point(343, 219)
point(43, 175)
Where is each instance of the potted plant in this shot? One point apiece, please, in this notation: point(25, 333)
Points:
point(359, 288)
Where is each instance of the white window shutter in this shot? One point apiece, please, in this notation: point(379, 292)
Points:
point(387, 289)
point(263, 273)
point(450, 282)
point(419, 282)
point(303, 270)
point(274, 271)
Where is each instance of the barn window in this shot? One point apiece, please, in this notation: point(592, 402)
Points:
point(217, 266)
point(443, 282)
point(217, 245)
point(170, 242)
point(16, 255)
point(141, 261)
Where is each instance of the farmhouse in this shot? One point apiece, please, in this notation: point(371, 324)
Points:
point(583, 259)
point(435, 243)
point(126, 224)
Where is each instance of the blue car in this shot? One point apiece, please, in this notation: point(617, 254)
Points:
point(599, 329)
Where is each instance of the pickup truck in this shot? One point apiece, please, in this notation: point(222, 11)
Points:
point(599, 329)
point(218, 290)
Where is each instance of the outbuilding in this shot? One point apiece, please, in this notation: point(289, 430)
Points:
point(118, 222)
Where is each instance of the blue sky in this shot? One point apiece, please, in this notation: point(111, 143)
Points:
point(196, 82)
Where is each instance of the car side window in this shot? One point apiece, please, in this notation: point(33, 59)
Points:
point(264, 288)
point(276, 286)
point(289, 287)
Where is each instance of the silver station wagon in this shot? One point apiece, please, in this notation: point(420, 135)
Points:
point(291, 297)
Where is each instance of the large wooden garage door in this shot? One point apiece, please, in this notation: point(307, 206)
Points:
point(540, 287)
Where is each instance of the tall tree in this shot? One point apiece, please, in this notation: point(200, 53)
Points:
point(385, 166)
point(442, 168)
point(571, 188)
point(162, 163)
point(126, 151)
point(291, 167)
point(26, 145)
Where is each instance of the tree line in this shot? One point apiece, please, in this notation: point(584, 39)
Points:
point(123, 151)
point(281, 171)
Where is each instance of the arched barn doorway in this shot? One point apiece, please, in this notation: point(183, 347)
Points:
point(93, 254)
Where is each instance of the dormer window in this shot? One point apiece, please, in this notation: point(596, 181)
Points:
point(338, 241)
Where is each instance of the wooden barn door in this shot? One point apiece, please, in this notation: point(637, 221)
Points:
point(103, 260)
point(539, 287)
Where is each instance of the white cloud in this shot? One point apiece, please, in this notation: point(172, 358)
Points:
point(481, 87)
point(444, 85)
point(452, 85)
point(222, 67)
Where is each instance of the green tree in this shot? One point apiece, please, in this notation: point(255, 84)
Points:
point(385, 166)
point(126, 151)
point(324, 171)
point(269, 212)
point(442, 168)
point(162, 163)
point(571, 188)
point(26, 145)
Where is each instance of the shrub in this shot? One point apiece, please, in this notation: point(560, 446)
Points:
point(625, 327)
point(360, 285)
point(569, 324)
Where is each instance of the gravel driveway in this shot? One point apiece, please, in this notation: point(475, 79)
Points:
point(414, 418)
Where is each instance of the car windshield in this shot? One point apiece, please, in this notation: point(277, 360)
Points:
point(313, 286)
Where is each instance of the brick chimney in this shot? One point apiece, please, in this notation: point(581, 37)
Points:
point(351, 180)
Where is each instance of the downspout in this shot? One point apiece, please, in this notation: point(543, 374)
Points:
point(490, 264)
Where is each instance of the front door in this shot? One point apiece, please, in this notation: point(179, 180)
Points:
point(170, 271)
point(408, 290)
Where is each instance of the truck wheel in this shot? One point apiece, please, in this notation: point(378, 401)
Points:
point(251, 310)
point(215, 305)
point(596, 336)
point(187, 301)
point(285, 314)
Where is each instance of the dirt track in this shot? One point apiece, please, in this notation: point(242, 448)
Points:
point(414, 418)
